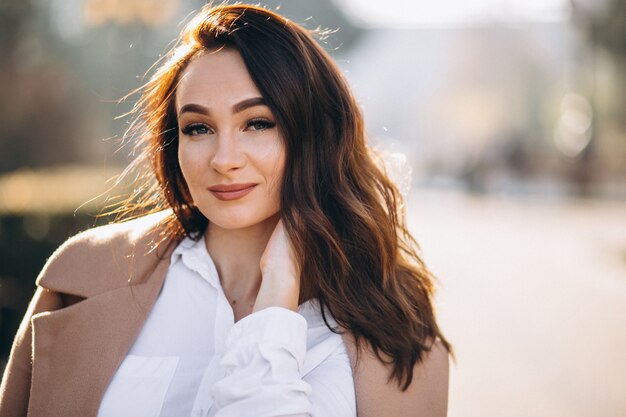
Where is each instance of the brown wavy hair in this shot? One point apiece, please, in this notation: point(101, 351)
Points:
point(343, 214)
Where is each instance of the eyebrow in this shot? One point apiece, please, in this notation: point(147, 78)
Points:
point(237, 108)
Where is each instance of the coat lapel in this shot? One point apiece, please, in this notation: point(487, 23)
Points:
point(77, 349)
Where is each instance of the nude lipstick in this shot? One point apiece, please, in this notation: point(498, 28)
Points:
point(229, 192)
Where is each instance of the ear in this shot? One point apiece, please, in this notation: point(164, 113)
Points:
point(427, 396)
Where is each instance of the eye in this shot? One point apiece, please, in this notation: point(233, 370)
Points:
point(195, 129)
point(259, 124)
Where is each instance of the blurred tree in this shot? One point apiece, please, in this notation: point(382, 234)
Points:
point(41, 116)
point(12, 17)
point(607, 27)
point(604, 23)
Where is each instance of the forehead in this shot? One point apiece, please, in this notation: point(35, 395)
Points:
point(215, 77)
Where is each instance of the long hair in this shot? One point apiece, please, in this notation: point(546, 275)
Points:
point(344, 216)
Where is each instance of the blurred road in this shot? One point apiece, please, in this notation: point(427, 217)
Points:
point(533, 297)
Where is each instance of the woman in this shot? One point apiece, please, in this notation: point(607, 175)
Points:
point(280, 281)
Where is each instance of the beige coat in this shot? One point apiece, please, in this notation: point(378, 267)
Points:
point(92, 299)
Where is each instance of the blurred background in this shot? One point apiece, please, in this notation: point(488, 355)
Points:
point(511, 114)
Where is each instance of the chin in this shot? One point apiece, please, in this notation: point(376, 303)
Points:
point(242, 222)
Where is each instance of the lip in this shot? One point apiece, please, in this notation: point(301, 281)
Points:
point(228, 192)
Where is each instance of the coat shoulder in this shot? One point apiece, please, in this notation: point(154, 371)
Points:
point(106, 257)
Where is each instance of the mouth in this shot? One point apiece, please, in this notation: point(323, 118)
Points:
point(228, 192)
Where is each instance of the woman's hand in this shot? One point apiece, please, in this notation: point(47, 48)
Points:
point(280, 273)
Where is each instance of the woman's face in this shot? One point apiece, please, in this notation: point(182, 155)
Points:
point(230, 151)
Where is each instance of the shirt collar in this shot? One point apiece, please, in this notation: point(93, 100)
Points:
point(194, 256)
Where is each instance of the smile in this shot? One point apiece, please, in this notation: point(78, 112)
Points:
point(232, 191)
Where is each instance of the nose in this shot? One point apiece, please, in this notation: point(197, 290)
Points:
point(227, 154)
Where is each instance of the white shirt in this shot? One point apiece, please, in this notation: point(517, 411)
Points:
point(192, 359)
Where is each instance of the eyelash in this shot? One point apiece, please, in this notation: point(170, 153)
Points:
point(261, 124)
point(189, 129)
point(265, 124)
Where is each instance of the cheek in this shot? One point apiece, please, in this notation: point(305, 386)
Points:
point(274, 161)
point(189, 162)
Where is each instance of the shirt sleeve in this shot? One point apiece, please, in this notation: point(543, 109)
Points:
point(263, 364)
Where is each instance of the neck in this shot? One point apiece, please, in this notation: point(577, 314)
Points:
point(236, 254)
